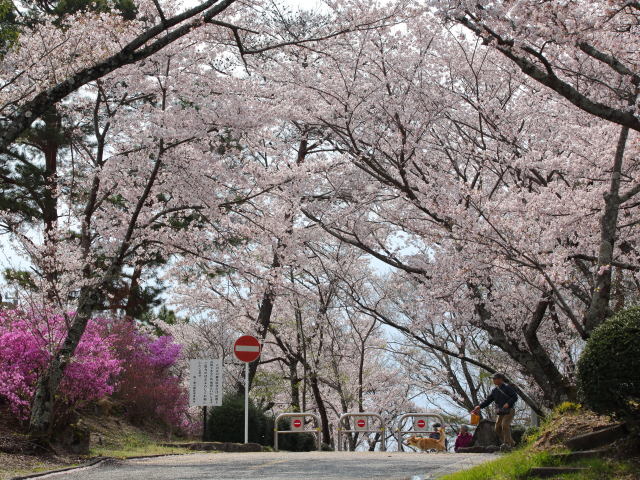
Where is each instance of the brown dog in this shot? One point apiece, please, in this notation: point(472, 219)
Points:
point(425, 444)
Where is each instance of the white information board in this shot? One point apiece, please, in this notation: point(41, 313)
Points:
point(205, 387)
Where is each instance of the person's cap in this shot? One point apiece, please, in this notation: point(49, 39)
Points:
point(499, 375)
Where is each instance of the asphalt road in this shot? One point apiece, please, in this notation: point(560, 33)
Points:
point(281, 466)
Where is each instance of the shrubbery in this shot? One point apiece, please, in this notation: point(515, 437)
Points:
point(226, 424)
point(27, 341)
point(113, 358)
point(147, 386)
point(609, 367)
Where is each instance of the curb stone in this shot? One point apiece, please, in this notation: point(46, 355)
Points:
point(60, 470)
point(92, 463)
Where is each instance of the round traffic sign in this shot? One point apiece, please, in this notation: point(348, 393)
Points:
point(297, 423)
point(361, 423)
point(421, 423)
point(247, 348)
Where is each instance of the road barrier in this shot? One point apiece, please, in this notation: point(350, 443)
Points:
point(361, 424)
point(419, 424)
point(298, 422)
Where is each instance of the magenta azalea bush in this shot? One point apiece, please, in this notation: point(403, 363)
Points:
point(27, 342)
point(114, 358)
point(148, 386)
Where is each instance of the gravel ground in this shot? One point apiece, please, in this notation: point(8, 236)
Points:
point(281, 466)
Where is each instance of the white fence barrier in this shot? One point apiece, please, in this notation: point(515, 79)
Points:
point(362, 423)
point(299, 425)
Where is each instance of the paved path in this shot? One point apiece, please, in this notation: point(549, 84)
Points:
point(281, 466)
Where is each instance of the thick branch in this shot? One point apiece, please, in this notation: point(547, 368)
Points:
point(130, 53)
point(549, 79)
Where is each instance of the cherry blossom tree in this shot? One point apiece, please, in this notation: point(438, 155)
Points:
point(443, 177)
point(135, 79)
point(442, 140)
point(580, 50)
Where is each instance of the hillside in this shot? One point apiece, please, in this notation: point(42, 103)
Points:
point(109, 435)
point(547, 449)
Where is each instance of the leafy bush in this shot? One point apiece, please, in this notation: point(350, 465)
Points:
point(531, 434)
point(226, 422)
point(27, 343)
point(608, 369)
point(147, 386)
point(113, 358)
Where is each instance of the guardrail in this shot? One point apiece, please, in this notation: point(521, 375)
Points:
point(298, 417)
point(362, 425)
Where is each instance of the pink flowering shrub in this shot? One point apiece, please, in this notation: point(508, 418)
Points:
point(148, 386)
point(113, 358)
point(27, 342)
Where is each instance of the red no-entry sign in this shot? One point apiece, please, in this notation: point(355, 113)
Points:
point(421, 423)
point(247, 348)
point(297, 423)
point(361, 423)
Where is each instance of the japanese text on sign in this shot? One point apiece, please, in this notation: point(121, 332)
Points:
point(205, 388)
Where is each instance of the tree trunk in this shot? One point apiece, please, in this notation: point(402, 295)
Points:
point(294, 382)
point(264, 320)
point(91, 299)
point(132, 302)
point(322, 410)
point(43, 407)
point(599, 309)
point(50, 146)
point(554, 386)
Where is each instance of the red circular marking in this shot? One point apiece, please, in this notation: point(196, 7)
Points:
point(421, 423)
point(297, 423)
point(361, 423)
point(247, 348)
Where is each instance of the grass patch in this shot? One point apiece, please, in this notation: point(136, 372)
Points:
point(16, 465)
point(111, 436)
point(602, 469)
point(132, 444)
point(512, 466)
point(516, 466)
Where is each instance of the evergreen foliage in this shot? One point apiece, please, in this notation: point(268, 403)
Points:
point(608, 378)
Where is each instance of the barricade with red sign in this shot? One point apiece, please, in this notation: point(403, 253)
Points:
point(299, 424)
point(420, 423)
point(361, 422)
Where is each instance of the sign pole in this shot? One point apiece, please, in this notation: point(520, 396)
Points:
point(246, 402)
point(246, 349)
point(204, 423)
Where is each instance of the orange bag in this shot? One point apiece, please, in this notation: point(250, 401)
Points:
point(475, 419)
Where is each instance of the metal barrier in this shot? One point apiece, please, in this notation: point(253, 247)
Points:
point(361, 424)
point(417, 417)
point(297, 425)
